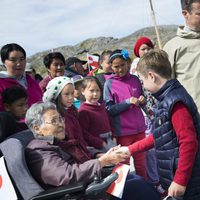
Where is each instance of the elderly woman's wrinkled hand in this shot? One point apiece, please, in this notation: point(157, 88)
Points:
point(114, 148)
point(113, 157)
point(124, 150)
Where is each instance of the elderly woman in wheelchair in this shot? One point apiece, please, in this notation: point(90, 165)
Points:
point(49, 156)
point(54, 162)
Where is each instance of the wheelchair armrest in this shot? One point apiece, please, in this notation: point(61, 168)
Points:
point(96, 188)
point(79, 189)
point(61, 191)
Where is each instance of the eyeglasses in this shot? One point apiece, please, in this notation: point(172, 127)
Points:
point(55, 121)
point(14, 60)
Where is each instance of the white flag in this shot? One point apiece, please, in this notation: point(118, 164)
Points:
point(93, 61)
point(117, 187)
point(7, 191)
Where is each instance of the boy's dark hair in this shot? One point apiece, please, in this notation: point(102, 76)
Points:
point(119, 53)
point(6, 49)
point(187, 4)
point(157, 61)
point(103, 54)
point(78, 84)
point(48, 59)
point(90, 79)
point(12, 94)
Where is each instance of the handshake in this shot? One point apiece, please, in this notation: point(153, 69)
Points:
point(114, 156)
point(122, 150)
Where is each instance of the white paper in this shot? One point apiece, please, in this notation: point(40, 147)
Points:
point(117, 187)
point(7, 191)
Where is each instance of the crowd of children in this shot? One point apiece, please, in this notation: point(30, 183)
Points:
point(133, 104)
point(101, 118)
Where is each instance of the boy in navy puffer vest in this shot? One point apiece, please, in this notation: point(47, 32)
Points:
point(176, 131)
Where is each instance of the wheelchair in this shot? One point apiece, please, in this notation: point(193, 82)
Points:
point(27, 188)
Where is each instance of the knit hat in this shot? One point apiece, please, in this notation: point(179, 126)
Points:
point(140, 42)
point(55, 87)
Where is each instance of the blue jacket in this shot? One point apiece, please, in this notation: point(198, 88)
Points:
point(166, 143)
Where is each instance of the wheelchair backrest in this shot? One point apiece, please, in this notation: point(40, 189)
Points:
point(13, 151)
point(7, 125)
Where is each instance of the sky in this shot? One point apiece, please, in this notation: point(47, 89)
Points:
point(39, 25)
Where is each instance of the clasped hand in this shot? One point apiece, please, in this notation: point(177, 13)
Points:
point(114, 156)
point(137, 101)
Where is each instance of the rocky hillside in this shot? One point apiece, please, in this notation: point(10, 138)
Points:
point(97, 45)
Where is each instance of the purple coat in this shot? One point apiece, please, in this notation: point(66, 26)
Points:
point(52, 166)
point(128, 119)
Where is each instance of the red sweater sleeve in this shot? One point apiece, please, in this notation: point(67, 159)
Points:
point(187, 138)
point(142, 145)
point(183, 125)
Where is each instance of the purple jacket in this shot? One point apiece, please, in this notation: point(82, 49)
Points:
point(128, 119)
point(52, 166)
point(33, 89)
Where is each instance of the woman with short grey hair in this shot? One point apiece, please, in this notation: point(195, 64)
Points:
point(35, 112)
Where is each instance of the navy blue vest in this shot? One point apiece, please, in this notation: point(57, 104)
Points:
point(166, 143)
